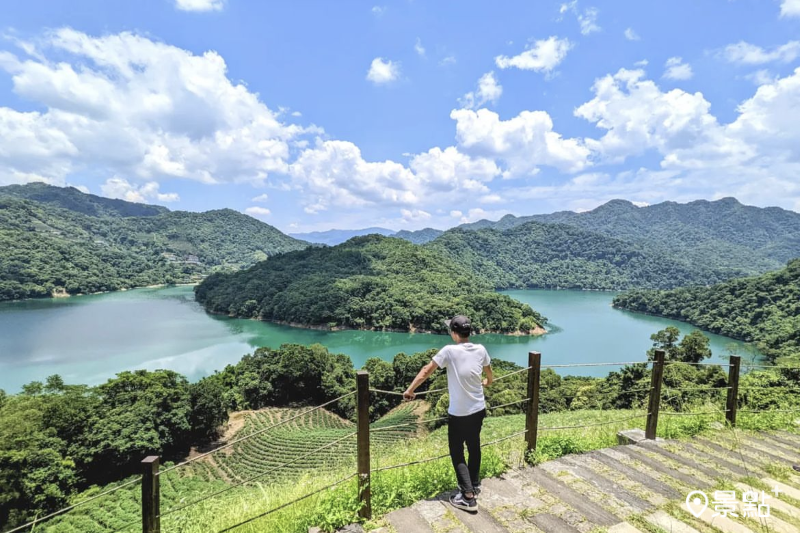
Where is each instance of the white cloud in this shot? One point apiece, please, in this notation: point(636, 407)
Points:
point(642, 63)
point(260, 198)
point(676, 69)
point(540, 56)
point(761, 77)
point(456, 213)
point(631, 35)
point(83, 188)
point(492, 199)
point(638, 116)
point(477, 213)
point(524, 142)
point(489, 90)
point(297, 114)
point(378, 10)
point(256, 211)
point(418, 48)
point(132, 107)
point(745, 53)
point(448, 60)
point(383, 71)
point(586, 18)
point(790, 8)
point(640, 204)
point(449, 170)
point(200, 5)
point(120, 188)
point(414, 215)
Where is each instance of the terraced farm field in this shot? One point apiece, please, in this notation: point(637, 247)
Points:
point(290, 447)
point(287, 451)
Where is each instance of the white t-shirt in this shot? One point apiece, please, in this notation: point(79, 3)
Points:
point(464, 363)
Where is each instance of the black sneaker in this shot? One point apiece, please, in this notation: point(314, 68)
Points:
point(476, 489)
point(796, 468)
point(459, 501)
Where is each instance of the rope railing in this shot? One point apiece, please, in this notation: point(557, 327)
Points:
point(574, 365)
point(253, 434)
point(396, 393)
point(35, 521)
point(532, 429)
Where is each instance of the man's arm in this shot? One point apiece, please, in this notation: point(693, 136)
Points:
point(489, 376)
point(424, 374)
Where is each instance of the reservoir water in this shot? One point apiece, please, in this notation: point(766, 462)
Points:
point(87, 339)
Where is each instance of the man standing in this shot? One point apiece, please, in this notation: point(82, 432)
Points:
point(465, 363)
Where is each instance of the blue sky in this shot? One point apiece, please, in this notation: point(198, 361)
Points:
point(404, 114)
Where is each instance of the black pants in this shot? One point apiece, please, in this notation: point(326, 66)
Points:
point(461, 430)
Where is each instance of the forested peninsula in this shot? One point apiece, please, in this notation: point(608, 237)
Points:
point(371, 282)
point(763, 309)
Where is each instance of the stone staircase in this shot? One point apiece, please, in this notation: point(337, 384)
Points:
point(631, 488)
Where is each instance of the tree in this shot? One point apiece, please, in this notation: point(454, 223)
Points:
point(694, 347)
point(667, 340)
point(209, 411)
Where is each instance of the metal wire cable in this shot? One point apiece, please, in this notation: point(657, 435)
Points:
point(251, 435)
point(767, 387)
point(257, 476)
point(71, 507)
point(697, 388)
point(428, 460)
point(507, 404)
point(768, 410)
point(415, 422)
point(773, 367)
point(704, 413)
point(694, 364)
point(598, 364)
point(504, 376)
point(643, 389)
point(282, 506)
point(580, 426)
point(400, 393)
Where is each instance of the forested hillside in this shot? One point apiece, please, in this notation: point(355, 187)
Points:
point(764, 309)
point(724, 235)
point(536, 255)
point(78, 243)
point(369, 282)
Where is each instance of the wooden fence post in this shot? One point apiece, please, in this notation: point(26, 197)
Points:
point(364, 495)
point(532, 414)
point(656, 377)
point(733, 389)
point(151, 496)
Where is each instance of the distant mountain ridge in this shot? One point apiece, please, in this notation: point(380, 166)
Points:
point(60, 240)
point(722, 235)
point(332, 237)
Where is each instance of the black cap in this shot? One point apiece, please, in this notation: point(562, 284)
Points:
point(460, 324)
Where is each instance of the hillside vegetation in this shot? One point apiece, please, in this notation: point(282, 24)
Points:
point(369, 282)
point(763, 309)
point(54, 239)
point(722, 236)
point(535, 255)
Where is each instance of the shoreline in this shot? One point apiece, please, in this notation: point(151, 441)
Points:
point(538, 331)
point(62, 295)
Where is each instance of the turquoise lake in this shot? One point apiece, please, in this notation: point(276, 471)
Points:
point(87, 339)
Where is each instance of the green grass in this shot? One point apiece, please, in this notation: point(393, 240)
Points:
point(391, 489)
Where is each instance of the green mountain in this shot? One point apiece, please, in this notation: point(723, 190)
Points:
point(369, 282)
point(763, 309)
point(420, 236)
point(724, 235)
point(535, 255)
point(332, 237)
point(66, 241)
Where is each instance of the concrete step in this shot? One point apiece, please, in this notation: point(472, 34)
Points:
point(438, 517)
point(480, 522)
point(633, 504)
point(691, 464)
point(724, 524)
point(586, 508)
point(637, 453)
point(620, 480)
point(408, 519)
point(508, 503)
point(734, 456)
point(552, 524)
point(738, 443)
point(650, 482)
point(624, 527)
point(792, 451)
point(693, 450)
point(774, 503)
point(669, 523)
